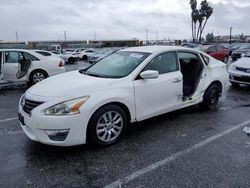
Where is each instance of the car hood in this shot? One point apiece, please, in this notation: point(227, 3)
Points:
point(69, 84)
point(243, 62)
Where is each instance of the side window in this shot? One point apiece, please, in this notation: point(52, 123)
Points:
point(187, 57)
point(163, 63)
point(0, 59)
point(212, 49)
point(219, 48)
point(89, 51)
point(11, 57)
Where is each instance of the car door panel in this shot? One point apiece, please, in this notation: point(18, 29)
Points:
point(157, 96)
point(10, 66)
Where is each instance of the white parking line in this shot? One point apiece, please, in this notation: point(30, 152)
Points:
point(9, 119)
point(171, 158)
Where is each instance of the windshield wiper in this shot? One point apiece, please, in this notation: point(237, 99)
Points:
point(92, 74)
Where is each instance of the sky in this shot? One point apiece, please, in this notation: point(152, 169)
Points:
point(115, 19)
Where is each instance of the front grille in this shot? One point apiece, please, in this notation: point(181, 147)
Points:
point(243, 69)
point(30, 105)
point(242, 79)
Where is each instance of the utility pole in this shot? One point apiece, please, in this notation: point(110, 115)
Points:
point(156, 37)
point(147, 37)
point(230, 39)
point(16, 35)
point(65, 37)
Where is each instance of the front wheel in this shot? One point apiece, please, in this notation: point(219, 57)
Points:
point(211, 98)
point(107, 125)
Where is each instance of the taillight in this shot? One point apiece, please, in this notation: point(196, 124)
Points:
point(61, 64)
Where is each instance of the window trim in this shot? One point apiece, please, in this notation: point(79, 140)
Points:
point(137, 77)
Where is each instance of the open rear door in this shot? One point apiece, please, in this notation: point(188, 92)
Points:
point(23, 66)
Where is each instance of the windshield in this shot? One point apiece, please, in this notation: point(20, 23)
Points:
point(247, 54)
point(117, 65)
point(245, 46)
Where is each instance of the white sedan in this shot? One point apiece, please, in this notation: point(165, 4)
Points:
point(128, 86)
point(27, 65)
point(84, 55)
point(239, 71)
point(47, 53)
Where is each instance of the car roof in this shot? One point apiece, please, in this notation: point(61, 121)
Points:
point(32, 52)
point(153, 49)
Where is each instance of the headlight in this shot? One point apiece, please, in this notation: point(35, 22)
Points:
point(22, 101)
point(233, 67)
point(66, 108)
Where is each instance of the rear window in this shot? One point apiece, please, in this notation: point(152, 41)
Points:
point(43, 53)
point(32, 58)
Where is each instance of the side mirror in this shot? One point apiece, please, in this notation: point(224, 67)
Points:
point(149, 74)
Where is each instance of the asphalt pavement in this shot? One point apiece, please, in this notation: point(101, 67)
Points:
point(184, 148)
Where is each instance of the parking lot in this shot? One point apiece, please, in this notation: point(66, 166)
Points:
point(185, 148)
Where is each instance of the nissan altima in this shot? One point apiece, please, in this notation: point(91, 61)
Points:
point(96, 104)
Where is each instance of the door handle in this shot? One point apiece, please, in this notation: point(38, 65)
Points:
point(176, 80)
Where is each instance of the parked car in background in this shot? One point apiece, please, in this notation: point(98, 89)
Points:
point(217, 52)
point(100, 55)
point(84, 54)
point(127, 86)
point(70, 56)
point(189, 45)
point(237, 54)
point(27, 65)
point(239, 71)
point(234, 47)
point(47, 53)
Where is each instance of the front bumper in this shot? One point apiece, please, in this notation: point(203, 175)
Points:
point(41, 128)
point(239, 77)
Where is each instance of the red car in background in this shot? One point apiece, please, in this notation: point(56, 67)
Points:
point(217, 52)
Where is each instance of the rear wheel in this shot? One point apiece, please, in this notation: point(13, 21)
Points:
point(107, 125)
point(71, 60)
point(211, 97)
point(85, 58)
point(38, 76)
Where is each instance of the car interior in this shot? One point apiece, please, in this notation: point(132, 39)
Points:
point(191, 69)
point(0, 63)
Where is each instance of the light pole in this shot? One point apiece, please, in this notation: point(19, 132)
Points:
point(146, 37)
point(230, 40)
point(16, 35)
point(65, 37)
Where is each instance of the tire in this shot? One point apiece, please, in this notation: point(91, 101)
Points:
point(105, 131)
point(234, 84)
point(71, 60)
point(85, 58)
point(225, 60)
point(211, 98)
point(37, 76)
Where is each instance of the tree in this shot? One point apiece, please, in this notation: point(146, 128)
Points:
point(199, 16)
point(210, 38)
